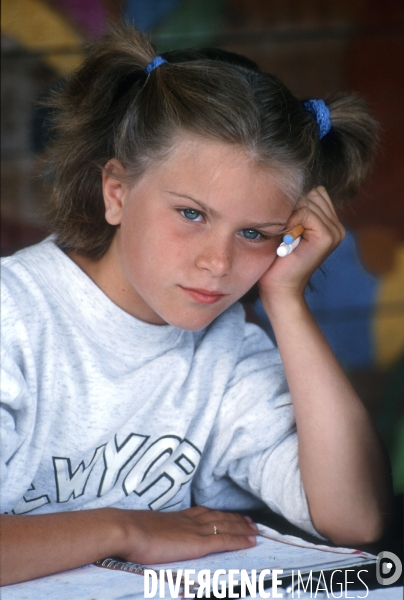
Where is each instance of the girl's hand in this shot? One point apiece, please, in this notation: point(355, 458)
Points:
point(38, 545)
point(323, 232)
point(337, 441)
point(157, 537)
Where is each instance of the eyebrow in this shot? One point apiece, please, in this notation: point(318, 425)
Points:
point(215, 213)
point(204, 207)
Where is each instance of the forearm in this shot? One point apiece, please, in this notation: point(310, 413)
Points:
point(34, 546)
point(343, 463)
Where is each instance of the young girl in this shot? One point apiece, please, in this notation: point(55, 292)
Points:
point(133, 388)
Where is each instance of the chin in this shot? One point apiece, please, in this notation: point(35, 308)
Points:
point(194, 323)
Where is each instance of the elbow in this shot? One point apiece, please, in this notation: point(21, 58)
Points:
point(369, 533)
point(356, 523)
point(356, 532)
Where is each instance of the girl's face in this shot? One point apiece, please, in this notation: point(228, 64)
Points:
point(194, 233)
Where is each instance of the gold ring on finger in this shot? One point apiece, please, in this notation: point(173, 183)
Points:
point(215, 530)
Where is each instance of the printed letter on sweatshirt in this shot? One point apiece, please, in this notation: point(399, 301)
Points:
point(70, 483)
point(117, 457)
point(177, 469)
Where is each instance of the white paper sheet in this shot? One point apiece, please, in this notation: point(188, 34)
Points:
point(273, 551)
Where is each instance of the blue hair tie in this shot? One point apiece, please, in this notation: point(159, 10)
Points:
point(322, 113)
point(153, 64)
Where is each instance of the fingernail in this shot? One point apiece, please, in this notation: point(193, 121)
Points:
point(252, 538)
point(252, 524)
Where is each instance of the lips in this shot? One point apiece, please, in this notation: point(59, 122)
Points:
point(204, 296)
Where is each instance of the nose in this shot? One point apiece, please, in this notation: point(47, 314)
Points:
point(215, 256)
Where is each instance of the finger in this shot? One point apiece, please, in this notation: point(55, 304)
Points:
point(296, 219)
point(292, 232)
point(217, 515)
point(320, 195)
point(304, 216)
point(226, 542)
point(324, 218)
point(243, 528)
point(203, 514)
point(315, 201)
point(321, 211)
point(195, 511)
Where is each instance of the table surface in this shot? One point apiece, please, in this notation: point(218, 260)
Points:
point(94, 583)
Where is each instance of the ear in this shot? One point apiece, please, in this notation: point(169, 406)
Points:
point(113, 188)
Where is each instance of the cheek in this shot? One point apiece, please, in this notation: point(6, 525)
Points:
point(162, 255)
point(179, 247)
point(144, 238)
point(256, 263)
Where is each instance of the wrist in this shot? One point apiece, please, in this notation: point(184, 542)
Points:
point(285, 306)
point(117, 527)
point(112, 523)
point(127, 535)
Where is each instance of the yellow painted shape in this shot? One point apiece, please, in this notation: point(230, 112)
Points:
point(35, 25)
point(389, 318)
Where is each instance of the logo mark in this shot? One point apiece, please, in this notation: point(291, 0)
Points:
point(387, 563)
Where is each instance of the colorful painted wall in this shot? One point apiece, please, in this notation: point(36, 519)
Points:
point(316, 47)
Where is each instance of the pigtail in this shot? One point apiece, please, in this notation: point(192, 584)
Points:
point(346, 152)
point(87, 112)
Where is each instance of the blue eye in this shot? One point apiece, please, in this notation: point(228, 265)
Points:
point(191, 214)
point(251, 234)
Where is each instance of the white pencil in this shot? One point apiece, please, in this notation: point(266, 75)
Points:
point(285, 249)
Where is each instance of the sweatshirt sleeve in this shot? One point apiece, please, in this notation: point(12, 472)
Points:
point(13, 390)
point(17, 404)
point(254, 442)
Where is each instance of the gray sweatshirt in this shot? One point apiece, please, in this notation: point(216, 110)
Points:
point(101, 409)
